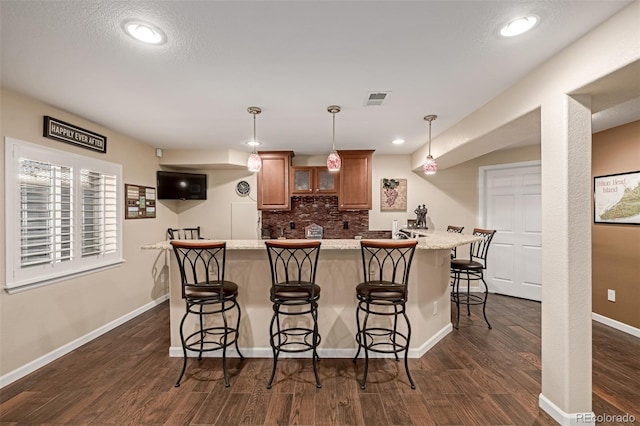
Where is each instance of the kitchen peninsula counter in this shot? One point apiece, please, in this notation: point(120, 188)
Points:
point(339, 271)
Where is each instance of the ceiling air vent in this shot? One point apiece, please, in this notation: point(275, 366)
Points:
point(376, 98)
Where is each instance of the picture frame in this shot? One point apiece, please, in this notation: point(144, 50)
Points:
point(616, 199)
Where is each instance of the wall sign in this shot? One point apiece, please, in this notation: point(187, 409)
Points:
point(140, 201)
point(65, 132)
point(616, 198)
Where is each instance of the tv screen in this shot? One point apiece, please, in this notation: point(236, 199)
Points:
point(182, 186)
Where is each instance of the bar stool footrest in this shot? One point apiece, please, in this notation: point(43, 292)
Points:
point(210, 339)
point(372, 340)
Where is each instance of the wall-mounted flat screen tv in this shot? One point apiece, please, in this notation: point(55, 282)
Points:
point(181, 186)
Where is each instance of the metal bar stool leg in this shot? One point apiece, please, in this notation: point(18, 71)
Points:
point(358, 332)
point(238, 329)
point(184, 349)
point(484, 303)
point(363, 342)
point(406, 351)
point(314, 314)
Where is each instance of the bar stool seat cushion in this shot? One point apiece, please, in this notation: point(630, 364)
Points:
point(380, 290)
point(208, 291)
point(465, 264)
point(302, 291)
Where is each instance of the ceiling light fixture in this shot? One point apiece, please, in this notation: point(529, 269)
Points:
point(254, 164)
point(397, 141)
point(144, 32)
point(430, 167)
point(333, 160)
point(518, 26)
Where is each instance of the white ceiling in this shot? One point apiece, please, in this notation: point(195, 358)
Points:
point(292, 59)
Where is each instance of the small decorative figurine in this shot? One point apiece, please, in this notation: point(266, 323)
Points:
point(421, 217)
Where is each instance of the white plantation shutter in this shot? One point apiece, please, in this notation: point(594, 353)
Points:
point(46, 216)
point(64, 214)
point(99, 220)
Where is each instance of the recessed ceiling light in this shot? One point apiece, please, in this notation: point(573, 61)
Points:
point(518, 26)
point(397, 141)
point(144, 32)
point(253, 143)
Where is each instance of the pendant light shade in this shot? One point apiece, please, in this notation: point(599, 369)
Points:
point(333, 160)
point(430, 167)
point(254, 164)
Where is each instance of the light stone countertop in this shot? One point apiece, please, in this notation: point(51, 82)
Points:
point(435, 240)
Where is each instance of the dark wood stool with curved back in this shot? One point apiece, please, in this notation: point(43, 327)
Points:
point(384, 291)
point(472, 270)
point(294, 292)
point(206, 292)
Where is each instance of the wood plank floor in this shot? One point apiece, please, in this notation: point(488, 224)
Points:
point(474, 376)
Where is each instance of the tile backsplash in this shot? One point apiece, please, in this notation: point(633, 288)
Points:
point(322, 210)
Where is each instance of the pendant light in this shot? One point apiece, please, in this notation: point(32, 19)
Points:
point(254, 164)
point(430, 167)
point(333, 160)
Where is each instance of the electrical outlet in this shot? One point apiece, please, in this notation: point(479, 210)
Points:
point(611, 295)
point(435, 308)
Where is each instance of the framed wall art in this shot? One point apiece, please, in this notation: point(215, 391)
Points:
point(616, 198)
point(393, 195)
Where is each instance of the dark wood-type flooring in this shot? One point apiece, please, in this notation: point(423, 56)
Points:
point(474, 376)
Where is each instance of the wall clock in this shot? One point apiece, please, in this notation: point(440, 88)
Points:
point(243, 188)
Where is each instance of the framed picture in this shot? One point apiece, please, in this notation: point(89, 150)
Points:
point(616, 198)
point(393, 195)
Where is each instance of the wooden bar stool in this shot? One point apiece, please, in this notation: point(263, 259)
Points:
point(206, 293)
point(294, 292)
point(472, 270)
point(384, 291)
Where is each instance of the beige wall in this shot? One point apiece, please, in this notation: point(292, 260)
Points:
point(451, 195)
point(616, 248)
point(36, 322)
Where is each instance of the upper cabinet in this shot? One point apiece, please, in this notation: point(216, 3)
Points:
point(278, 180)
point(355, 180)
point(273, 180)
point(313, 181)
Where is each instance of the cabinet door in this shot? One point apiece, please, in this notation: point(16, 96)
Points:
point(355, 180)
point(273, 181)
point(326, 182)
point(302, 179)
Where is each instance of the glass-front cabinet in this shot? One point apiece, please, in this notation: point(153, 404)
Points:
point(313, 180)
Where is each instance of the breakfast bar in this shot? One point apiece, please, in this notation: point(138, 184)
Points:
point(339, 271)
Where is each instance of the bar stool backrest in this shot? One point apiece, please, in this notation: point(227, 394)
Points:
point(184, 233)
point(202, 264)
point(387, 262)
point(456, 230)
point(478, 250)
point(293, 263)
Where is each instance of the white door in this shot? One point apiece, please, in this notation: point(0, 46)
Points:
point(510, 204)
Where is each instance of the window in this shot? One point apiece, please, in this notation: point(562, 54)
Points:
point(63, 214)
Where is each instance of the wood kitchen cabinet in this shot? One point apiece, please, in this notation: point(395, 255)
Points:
point(273, 180)
point(313, 181)
point(355, 180)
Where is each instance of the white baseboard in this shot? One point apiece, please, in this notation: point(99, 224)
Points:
point(566, 419)
point(176, 351)
point(32, 366)
point(616, 324)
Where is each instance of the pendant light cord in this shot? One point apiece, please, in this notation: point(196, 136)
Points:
point(254, 133)
point(429, 135)
point(333, 145)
